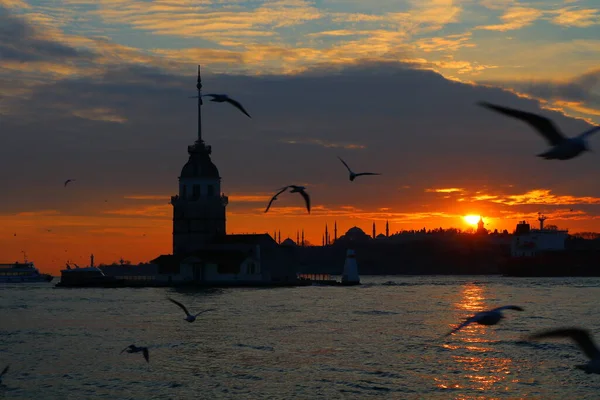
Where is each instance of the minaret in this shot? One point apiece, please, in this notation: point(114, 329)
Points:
point(387, 229)
point(199, 208)
point(297, 238)
point(326, 235)
point(334, 231)
point(302, 237)
point(373, 230)
point(279, 237)
point(323, 241)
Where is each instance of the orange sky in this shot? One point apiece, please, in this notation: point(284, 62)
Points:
point(50, 239)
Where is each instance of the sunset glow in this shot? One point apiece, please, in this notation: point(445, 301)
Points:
point(472, 219)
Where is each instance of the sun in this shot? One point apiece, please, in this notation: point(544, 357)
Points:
point(471, 219)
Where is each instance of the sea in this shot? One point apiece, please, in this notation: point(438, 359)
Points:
point(382, 339)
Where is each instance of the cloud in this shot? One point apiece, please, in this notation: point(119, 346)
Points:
point(20, 42)
point(162, 211)
point(323, 143)
point(100, 114)
point(515, 18)
point(572, 16)
point(147, 197)
point(416, 127)
point(445, 43)
point(545, 197)
point(40, 213)
point(207, 20)
point(530, 197)
point(445, 190)
point(579, 95)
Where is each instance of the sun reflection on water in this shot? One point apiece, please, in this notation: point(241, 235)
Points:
point(479, 364)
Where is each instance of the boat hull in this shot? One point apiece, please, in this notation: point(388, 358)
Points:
point(554, 264)
point(26, 279)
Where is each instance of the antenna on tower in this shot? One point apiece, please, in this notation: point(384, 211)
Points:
point(541, 218)
point(199, 87)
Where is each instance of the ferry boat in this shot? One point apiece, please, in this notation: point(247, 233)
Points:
point(22, 272)
point(91, 276)
point(545, 252)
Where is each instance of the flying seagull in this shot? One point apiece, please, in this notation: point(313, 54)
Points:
point(189, 317)
point(4, 371)
point(223, 98)
point(563, 148)
point(491, 317)
point(294, 189)
point(354, 175)
point(583, 339)
point(69, 180)
point(132, 348)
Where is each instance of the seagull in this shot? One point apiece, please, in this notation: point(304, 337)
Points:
point(69, 180)
point(563, 148)
point(354, 175)
point(223, 98)
point(491, 317)
point(295, 189)
point(583, 339)
point(132, 348)
point(4, 371)
point(189, 317)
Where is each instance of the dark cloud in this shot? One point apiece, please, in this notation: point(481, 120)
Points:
point(20, 42)
point(417, 128)
point(582, 89)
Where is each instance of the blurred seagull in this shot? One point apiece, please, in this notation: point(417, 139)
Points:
point(69, 180)
point(583, 339)
point(189, 317)
point(4, 371)
point(354, 175)
point(491, 317)
point(295, 189)
point(563, 148)
point(223, 98)
point(132, 348)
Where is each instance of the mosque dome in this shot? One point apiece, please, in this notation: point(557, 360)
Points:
point(288, 242)
point(199, 164)
point(355, 234)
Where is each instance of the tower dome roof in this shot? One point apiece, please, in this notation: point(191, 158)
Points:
point(199, 164)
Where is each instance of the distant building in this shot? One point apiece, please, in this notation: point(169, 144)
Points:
point(480, 227)
point(354, 234)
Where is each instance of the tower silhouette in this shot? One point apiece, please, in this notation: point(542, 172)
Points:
point(199, 214)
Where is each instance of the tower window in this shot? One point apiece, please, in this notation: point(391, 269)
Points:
point(195, 192)
point(211, 190)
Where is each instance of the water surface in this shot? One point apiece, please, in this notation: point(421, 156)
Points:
point(382, 339)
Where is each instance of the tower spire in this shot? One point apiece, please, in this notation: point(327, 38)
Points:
point(199, 87)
